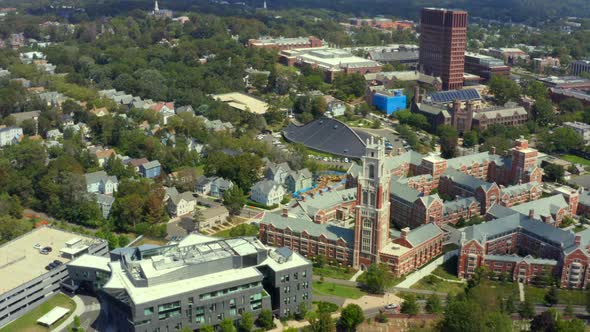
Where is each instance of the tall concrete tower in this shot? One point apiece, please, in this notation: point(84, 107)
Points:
point(372, 210)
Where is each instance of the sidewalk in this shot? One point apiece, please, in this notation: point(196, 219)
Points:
point(80, 309)
point(356, 275)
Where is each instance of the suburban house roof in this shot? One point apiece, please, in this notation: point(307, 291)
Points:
point(151, 164)
point(99, 176)
point(265, 186)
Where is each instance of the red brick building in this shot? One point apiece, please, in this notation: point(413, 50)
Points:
point(443, 39)
point(282, 43)
point(496, 243)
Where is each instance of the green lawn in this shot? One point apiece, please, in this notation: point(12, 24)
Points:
point(565, 296)
point(332, 289)
point(448, 270)
point(576, 160)
point(334, 272)
point(437, 285)
point(28, 322)
point(579, 228)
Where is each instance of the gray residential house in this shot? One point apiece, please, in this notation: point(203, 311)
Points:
point(298, 180)
point(278, 172)
point(212, 186)
point(105, 203)
point(101, 183)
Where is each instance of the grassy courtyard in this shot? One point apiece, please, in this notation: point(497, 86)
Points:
point(576, 160)
point(434, 284)
point(28, 322)
point(334, 272)
point(332, 289)
point(448, 270)
point(565, 296)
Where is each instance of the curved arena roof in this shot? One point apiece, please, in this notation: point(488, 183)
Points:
point(328, 135)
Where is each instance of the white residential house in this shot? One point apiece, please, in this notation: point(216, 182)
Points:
point(182, 204)
point(101, 183)
point(54, 134)
point(10, 135)
point(267, 192)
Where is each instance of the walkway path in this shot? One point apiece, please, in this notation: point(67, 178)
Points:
point(402, 289)
point(449, 280)
point(80, 309)
point(356, 275)
point(521, 291)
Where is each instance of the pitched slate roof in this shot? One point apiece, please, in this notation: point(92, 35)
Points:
point(326, 200)
point(187, 196)
point(500, 112)
point(469, 160)
point(518, 223)
point(519, 188)
point(465, 180)
point(403, 192)
point(104, 199)
point(455, 205)
point(298, 225)
point(301, 174)
point(585, 198)
point(329, 135)
point(423, 233)
point(542, 207)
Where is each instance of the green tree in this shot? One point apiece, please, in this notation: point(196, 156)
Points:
point(302, 310)
point(498, 322)
point(433, 304)
point(378, 279)
point(504, 89)
point(571, 105)
point(554, 172)
point(470, 138)
point(206, 328)
point(351, 317)
point(234, 200)
point(527, 309)
point(448, 141)
point(247, 322)
point(321, 322)
point(552, 297)
point(265, 319)
point(410, 306)
point(544, 322)
point(543, 112)
point(568, 311)
point(227, 325)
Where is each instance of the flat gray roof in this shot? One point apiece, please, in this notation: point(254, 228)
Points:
point(20, 262)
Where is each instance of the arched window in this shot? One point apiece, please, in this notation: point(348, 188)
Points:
point(371, 171)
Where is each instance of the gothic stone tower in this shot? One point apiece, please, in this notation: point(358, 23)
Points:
point(372, 210)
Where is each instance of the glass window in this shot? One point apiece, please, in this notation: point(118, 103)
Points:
point(148, 311)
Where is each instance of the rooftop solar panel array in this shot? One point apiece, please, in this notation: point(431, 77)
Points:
point(452, 95)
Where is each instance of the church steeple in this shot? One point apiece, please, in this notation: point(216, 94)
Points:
point(156, 8)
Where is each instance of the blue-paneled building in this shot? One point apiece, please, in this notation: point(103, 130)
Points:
point(388, 100)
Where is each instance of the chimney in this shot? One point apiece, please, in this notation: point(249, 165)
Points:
point(493, 150)
point(285, 212)
point(531, 213)
point(405, 232)
point(578, 240)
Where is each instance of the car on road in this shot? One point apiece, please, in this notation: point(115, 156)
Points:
point(391, 306)
point(37, 246)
